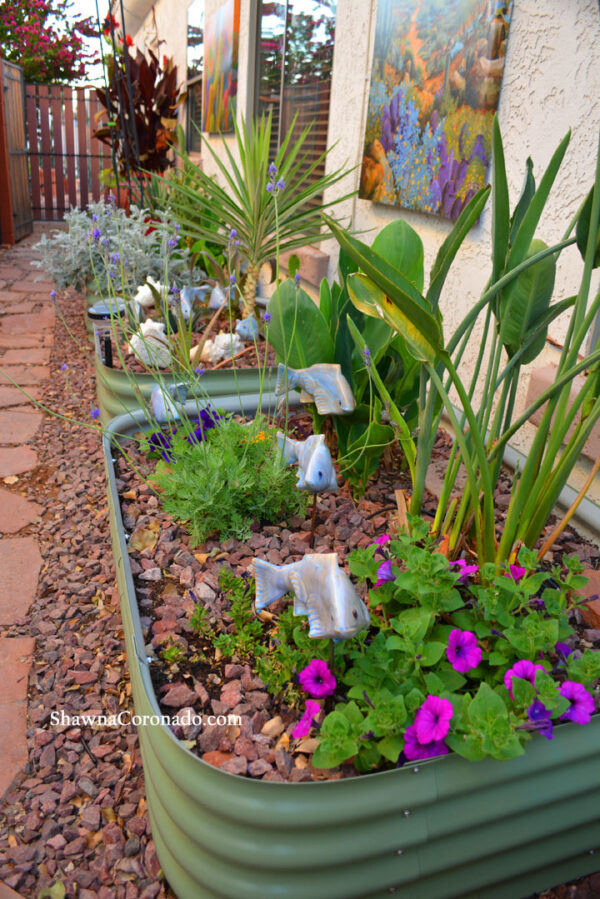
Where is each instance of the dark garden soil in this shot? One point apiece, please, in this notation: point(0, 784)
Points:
point(78, 813)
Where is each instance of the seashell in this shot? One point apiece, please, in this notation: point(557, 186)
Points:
point(151, 345)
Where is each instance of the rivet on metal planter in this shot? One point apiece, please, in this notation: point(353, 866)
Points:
point(406, 813)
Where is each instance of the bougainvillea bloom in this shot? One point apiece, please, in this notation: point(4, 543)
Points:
point(384, 573)
point(464, 569)
point(463, 652)
point(540, 716)
point(432, 721)
point(317, 680)
point(582, 702)
point(515, 572)
point(524, 669)
point(415, 751)
point(311, 710)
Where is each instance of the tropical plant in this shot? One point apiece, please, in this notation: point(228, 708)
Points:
point(311, 334)
point(517, 312)
point(208, 211)
point(140, 103)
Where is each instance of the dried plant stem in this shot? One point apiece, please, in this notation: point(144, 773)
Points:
point(555, 534)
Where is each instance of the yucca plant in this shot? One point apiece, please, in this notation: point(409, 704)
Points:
point(517, 310)
point(210, 212)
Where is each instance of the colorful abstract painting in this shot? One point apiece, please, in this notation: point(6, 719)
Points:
point(435, 84)
point(221, 42)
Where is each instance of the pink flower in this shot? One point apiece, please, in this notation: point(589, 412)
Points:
point(380, 541)
point(317, 680)
point(432, 721)
point(463, 652)
point(523, 669)
point(515, 572)
point(311, 710)
point(415, 751)
point(465, 569)
point(384, 573)
point(582, 702)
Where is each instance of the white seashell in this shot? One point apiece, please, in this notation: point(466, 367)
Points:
point(151, 346)
point(144, 295)
point(222, 347)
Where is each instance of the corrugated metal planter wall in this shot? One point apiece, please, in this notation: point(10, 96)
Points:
point(440, 829)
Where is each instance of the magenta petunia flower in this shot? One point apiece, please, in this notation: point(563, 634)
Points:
point(384, 573)
point(582, 702)
point(515, 572)
point(432, 721)
point(415, 751)
point(463, 652)
point(380, 541)
point(524, 669)
point(464, 570)
point(311, 710)
point(317, 680)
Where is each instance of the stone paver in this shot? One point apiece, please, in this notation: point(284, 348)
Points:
point(20, 563)
point(12, 396)
point(16, 460)
point(25, 341)
point(15, 663)
point(33, 356)
point(23, 375)
point(16, 512)
point(27, 324)
point(19, 425)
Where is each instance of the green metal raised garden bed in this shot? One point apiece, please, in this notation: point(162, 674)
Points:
point(117, 396)
point(434, 830)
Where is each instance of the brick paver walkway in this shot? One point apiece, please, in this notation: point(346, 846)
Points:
point(26, 333)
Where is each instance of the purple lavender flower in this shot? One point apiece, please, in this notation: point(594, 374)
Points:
point(115, 258)
point(432, 721)
point(297, 279)
point(96, 234)
point(317, 680)
point(53, 295)
point(232, 280)
point(280, 184)
point(267, 317)
point(94, 217)
point(415, 751)
point(95, 413)
point(582, 702)
point(463, 652)
point(366, 354)
point(199, 371)
point(232, 234)
point(172, 242)
point(272, 169)
point(63, 366)
point(384, 573)
point(271, 188)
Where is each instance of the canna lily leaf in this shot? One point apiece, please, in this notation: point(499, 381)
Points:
point(298, 331)
point(403, 248)
point(524, 303)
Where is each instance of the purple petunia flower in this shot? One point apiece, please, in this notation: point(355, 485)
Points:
point(523, 669)
point(432, 721)
point(208, 419)
point(563, 649)
point(311, 710)
point(380, 542)
point(317, 680)
point(464, 570)
point(161, 443)
point(582, 702)
point(541, 718)
point(463, 652)
point(384, 573)
point(515, 572)
point(415, 751)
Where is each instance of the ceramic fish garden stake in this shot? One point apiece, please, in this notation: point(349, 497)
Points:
point(166, 401)
point(321, 590)
point(315, 466)
point(322, 384)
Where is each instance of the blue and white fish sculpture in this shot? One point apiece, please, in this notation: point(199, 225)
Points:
point(321, 590)
point(322, 384)
point(315, 466)
point(167, 400)
point(247, 328)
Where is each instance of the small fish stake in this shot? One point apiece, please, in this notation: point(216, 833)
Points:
point(322, 384)
point(315, 466)
point(321, 590)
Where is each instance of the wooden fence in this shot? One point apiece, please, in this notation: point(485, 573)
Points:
point(65, 160)
point(15, 208)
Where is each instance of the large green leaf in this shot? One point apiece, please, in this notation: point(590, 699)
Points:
point(370, 299)
point(524, 302)
point(500, 208)
point(403, 248)
point(527, 193)
point(413, 311)
point(298, 331)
